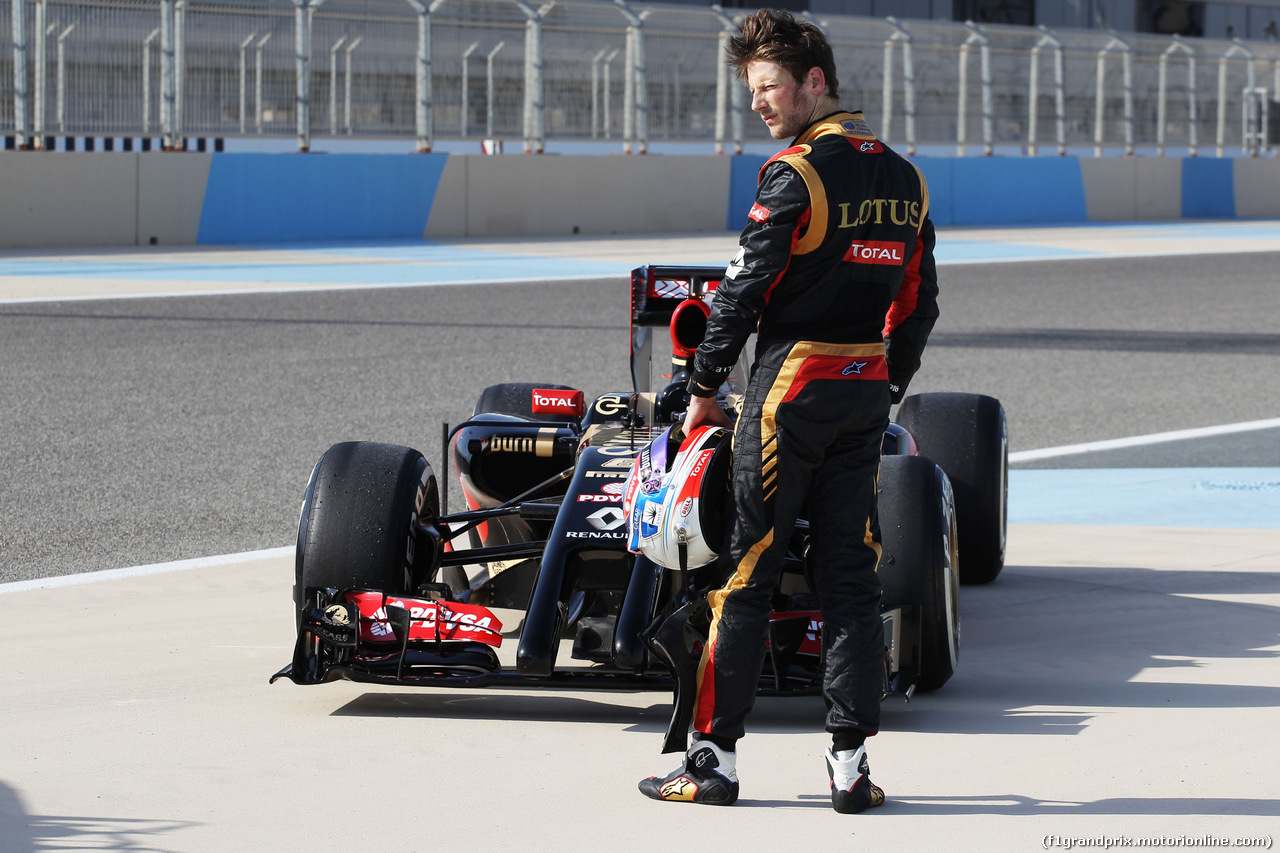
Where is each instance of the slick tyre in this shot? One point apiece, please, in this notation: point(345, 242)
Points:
point(968, 437)
point(516, 398)
point(358, 518)
point(918, 559)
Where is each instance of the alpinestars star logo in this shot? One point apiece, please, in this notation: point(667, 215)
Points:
point(679, 788)
point(854, 367)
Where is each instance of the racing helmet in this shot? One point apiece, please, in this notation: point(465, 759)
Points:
point(676, 496)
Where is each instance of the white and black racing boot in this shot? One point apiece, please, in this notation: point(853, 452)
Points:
point(706, 776)
point(851, 788)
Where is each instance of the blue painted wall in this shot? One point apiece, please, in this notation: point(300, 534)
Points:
point(1208, 188)
point(287, 197)
point(743, 175)
point(292, 197)
point(1003, 190)
point(1016, 190)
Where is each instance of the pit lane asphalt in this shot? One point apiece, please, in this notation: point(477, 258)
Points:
point(148, 430)
point(1115, 681)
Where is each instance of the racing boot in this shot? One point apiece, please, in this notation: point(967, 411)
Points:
point(851, 788)
point(707, 775)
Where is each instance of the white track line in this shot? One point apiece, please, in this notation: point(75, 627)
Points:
point(302, 288)
point(139, 571)
point(1140, 440)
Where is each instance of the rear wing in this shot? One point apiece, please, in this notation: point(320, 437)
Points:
point(657, 291)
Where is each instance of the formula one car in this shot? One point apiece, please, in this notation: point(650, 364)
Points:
point(389, 590)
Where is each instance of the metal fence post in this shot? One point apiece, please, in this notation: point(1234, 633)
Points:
point(422, 78)
point(302, 13)
point(1193, 106)
point(333, 84)
point(1254, 120)
point(978, 37)
point(37, 125)
point(636, 118)
point(1178, 45)
point(595, 91)
point(20, 72)
point(346, 73)
point(988, 102)
point(722, 93)
point(628, 94)
point(488, 97)
point(1237, 48)
point(466, 79)
point(257, 81)
point(62, 78)
point(608, 90)
point(902, 34)
point(1126, 52)
point(534, 98)
point(737, 115)
point(244, 73)
point(728, 91)
point(167, 15)
point(1033, 102)
point(179, 69)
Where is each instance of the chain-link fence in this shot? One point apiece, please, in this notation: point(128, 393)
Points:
point(593, 70)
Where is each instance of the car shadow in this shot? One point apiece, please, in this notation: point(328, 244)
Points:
point(1044, 651)
point(504, 705)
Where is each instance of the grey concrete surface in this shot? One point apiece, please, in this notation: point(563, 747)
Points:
point(1113, 681)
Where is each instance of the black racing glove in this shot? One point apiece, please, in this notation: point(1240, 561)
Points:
point(897, 386)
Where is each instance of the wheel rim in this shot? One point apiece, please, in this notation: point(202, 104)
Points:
point(951, 582)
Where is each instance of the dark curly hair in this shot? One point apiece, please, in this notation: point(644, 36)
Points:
point(778, 36)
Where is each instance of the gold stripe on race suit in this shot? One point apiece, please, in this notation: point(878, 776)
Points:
point(857, 128)
point(817, 232)
point(769, 465)
point(924, 196)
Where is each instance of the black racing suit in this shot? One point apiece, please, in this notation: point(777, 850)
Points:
point(835, 264)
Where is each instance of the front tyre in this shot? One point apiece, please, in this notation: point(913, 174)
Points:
point(967, 435)
point(918, 561)
point(357, 528)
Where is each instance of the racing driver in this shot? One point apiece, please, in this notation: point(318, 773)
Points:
point(835, 273)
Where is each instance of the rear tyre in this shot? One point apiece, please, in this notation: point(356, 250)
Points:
point(358, 519)
point(968, 437)
point(516, 398)
point(919, 557)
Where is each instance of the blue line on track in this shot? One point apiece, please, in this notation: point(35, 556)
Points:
point(953, 251)
point(400, 262)
point(1148, 497)
point(450, 266)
